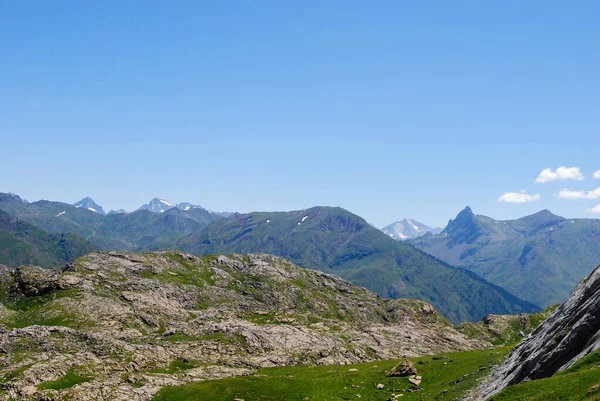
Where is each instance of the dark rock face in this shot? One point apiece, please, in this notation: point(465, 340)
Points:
point(569, 334)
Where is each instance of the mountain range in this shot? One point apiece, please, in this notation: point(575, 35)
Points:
point(539, 258)
point(407, 229)
point(139, 230)
point(336, 241)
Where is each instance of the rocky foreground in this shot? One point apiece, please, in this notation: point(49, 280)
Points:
point(124, 325)
point(568, 335)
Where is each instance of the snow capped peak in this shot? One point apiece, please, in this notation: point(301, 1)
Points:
point(407, 229)
point(157, 205)
point(186, 206)
point(89, 204)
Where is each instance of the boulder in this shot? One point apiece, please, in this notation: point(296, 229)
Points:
point(403, 368)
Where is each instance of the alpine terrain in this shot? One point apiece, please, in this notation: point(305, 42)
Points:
point(539, 258)
point(336, 241)
point(120, 326)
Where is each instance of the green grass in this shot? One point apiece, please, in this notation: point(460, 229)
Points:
point(74, 376)
point(16, 372)
point(445, 377)
point(176, 366)
point(572, 384)
point(43, 310)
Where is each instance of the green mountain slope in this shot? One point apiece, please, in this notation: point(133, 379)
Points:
point(336, 241)
point(539, 258)
point(140, 230)
point(24, 244)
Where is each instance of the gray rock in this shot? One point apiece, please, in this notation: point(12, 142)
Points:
point(126, 317)
point(569, 334)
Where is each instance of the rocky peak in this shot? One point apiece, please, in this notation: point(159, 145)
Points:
point(4, 196)
point(157, 205)
point(465, 220)
point(89, 204)
point(568, 335)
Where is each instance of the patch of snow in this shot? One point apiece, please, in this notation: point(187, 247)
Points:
point(304, 218)
point(187, 208)
point(161, 210)
point(268, 221)
point(299, 224)
point(60, 214)
point(414, 226)
point(78, 206)
point(165, 202)
point(92, 209)
point(572, 221)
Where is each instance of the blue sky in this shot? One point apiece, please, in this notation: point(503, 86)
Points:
point(389, 109)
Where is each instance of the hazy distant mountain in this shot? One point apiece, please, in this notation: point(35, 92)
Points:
point(139, 230)
point(120, 211)
point(539, 258)
point(157, 205)
point(407, 229)
point(336, 241)
point(187, 206)
point(22, 243)
point(89, 204)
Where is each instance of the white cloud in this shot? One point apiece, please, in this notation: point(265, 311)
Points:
point(597, 174)
point(595, 209)
point(568, 194)
point(518, 197)
point(561, 173)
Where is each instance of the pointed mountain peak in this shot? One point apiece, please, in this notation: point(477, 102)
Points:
point(464, 219)
point(157, 205)
point(466, 212)
point(89, 204)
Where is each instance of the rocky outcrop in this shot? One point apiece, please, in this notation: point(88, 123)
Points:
point(133, 323)
point(569, 334)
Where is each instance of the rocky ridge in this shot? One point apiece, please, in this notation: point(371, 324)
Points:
point(133, 323)
point(567, 336)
